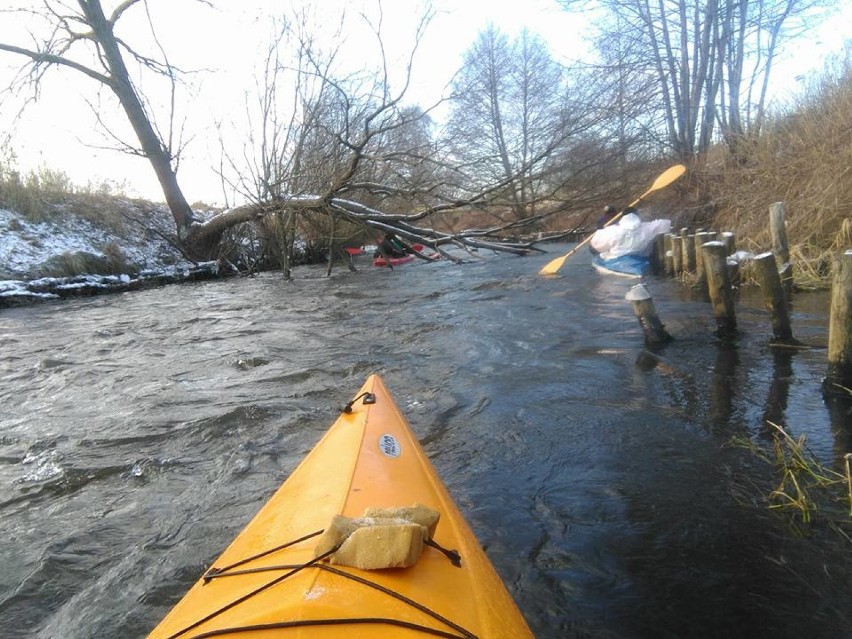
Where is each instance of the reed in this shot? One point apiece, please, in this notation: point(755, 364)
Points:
point(806, 487)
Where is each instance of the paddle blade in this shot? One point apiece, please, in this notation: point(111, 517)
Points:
point(553, 266)
point(667, 177)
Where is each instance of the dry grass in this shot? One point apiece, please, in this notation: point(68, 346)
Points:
point(806, 488)
point(804, 158)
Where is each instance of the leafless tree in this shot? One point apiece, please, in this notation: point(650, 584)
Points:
point(711, 60)
point(84, 32)
point(350, 150)
point(538, 129)
point(327, 143)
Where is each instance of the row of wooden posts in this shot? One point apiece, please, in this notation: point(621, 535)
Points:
point(706, 254)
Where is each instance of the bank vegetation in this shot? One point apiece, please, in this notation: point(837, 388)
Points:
point(528, 149)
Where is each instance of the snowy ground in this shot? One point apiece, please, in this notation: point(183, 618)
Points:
point(25, 247)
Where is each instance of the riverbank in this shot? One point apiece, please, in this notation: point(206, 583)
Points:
point(65, 254)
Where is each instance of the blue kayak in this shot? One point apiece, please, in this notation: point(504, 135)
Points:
point(625, 266)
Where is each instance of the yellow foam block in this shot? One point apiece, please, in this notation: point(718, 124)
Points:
point(417, 514)
point(391, 545)
point(382, 538)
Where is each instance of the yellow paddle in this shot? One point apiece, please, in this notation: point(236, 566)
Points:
point(665, 178)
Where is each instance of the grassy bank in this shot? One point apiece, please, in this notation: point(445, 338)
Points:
point(803, 158)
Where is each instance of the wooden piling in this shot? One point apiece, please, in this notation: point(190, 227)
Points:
point(677, 255)
point(730, 240)
point(840, 328)
point(669, 265)
point(700, 239)
point(774, 298)
point(658, 255)
point(643, 306)
point(778, 231)
point(719, 288)
point(688, 252)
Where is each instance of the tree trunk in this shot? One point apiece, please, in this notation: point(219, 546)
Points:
point(159, 157)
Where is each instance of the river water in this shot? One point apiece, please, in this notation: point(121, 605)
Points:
point(140, 432)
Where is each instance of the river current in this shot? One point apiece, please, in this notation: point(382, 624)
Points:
point(140, 432)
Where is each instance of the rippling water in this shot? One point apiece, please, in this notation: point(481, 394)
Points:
point(140, 432)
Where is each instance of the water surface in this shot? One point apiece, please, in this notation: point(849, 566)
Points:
point(140, 432)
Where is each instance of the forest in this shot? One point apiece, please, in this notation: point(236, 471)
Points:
point(528, 148)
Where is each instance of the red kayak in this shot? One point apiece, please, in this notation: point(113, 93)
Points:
point(404, 259)
point(394, 261)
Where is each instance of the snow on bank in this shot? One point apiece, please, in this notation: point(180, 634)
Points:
point(26, 247)
point(17, 292)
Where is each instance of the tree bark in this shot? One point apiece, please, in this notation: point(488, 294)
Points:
point(153, 148)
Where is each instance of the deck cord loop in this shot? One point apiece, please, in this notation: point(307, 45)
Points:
point(452, 555)
point(369, 398)
point(218, 572)
point(227, 571)
point(256, 591)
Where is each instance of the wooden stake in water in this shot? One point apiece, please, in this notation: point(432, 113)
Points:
point(730, 240)
point(669, 260)
point(688, 251)
point(774, 297)
point(658, 255)
point(677, 255)
point(643, 306)
point(840, 327)
point(778, 231)
point(719, 287)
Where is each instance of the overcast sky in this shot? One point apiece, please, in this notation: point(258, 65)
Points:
point(224, 45)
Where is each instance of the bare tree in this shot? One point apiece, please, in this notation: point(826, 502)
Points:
point(351, 151)
point(523, 121)
point(87, 27)
point(329, 143)
point(508, 117)
point(711, 60)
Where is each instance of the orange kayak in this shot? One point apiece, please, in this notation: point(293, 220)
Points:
point(368, 485)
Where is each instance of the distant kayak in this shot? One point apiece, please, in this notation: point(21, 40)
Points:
point(394, 261)
point(362, 541)
point(634, 266)
point(403, 259)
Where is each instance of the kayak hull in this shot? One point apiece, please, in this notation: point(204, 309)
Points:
point(369, 458)
point(633, 266)
point(394, 261)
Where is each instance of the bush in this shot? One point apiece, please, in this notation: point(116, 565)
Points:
point(71, 263)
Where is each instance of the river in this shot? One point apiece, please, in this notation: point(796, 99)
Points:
point(140, 432)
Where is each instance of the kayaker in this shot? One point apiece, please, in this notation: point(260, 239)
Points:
point(609, 213)
point(392, 246)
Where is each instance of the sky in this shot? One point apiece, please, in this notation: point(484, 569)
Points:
point(222, 46)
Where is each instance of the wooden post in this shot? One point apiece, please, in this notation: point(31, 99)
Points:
point(643, 307)
point(719, 287)
point(677, 255)
point(730, 240)
point(688, 252)
point(669, 264)
point(658, 255)
point(700, 239)
point(778, 231)
point(774, 298)
point(840, 327)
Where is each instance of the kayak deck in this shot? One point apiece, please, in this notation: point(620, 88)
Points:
point(267, 580)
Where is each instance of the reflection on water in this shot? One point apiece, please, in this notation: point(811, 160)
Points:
point(140, 432)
